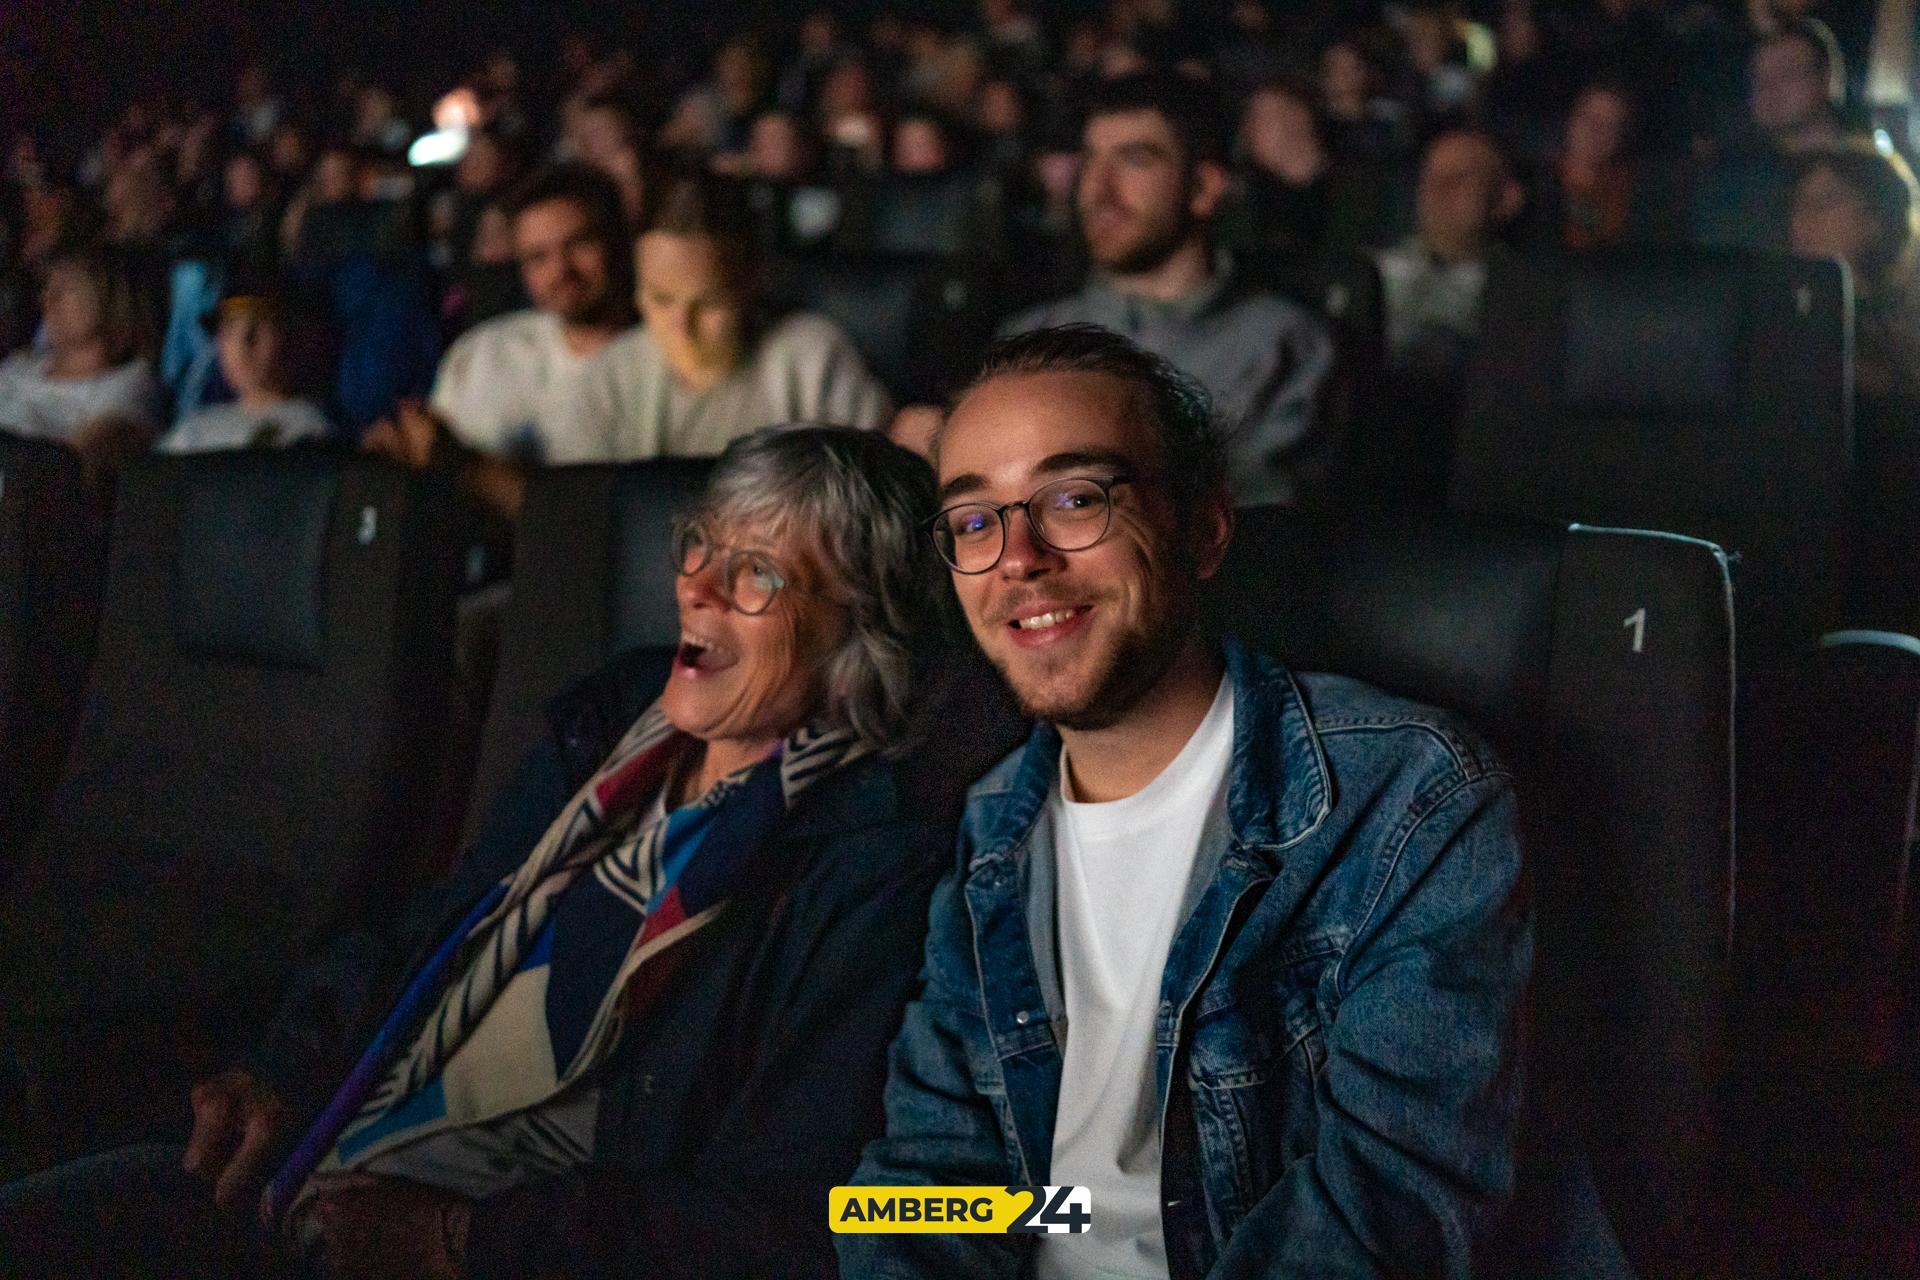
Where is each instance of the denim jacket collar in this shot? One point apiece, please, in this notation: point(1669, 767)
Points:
point(1273, 743)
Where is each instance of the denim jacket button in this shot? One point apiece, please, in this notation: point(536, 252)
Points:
point(1023, 1017)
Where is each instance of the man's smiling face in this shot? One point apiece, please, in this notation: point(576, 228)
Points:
point(1078, 635)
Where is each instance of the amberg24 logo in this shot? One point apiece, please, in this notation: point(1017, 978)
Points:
point(970, 1210)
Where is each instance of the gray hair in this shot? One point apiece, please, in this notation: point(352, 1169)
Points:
point(861, 500)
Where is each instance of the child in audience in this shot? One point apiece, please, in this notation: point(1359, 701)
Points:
point(251, 335)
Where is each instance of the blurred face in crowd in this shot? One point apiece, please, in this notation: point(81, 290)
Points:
point(372, 108)
point(1832, 220)
point(252, 85)
point(1789, 91)
point(1430, 39)
point(563, 261)
point(736, 71)
point(598, 134)
point(493, 237)
point(1464, 191)
point(919, 146)
point(1139, 198)
point(287, 150)
point(249, 341)
point(817, 36)
point(1000, 110)
point(1079, 636)
point(776, 148)
point(1345, 83)
point(335, 178)
point(847, 90)
point(750, 678)
point(1278, 132)
point(245, 185)
point(694, 303)
point(482, 166)
point(1597, 128)
point(70, 308)
point(1518, 34)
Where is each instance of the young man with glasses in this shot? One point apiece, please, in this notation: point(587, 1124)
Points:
point(1242, 952)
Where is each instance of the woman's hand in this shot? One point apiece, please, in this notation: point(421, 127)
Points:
point(237, 1122)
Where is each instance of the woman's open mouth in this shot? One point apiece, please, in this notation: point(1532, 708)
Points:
point(698, 656)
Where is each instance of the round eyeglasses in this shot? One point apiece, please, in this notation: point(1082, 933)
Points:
point(748, 580)
point(1066, 515)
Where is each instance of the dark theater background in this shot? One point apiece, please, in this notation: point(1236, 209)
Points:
point(360, 361)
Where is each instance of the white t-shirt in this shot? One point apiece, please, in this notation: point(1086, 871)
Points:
point(33, 404)
point(1124, 869)
point(230, 426)
point(631, 407)
point(502, 384)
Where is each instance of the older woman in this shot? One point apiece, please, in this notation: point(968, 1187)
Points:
point(648, 1029)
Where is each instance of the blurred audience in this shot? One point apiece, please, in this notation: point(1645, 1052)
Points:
point(1279, 209)
point(1596, 191)
point(1795, 78)
point(502, 389)
point(1153, 181)
point(708, 364)
point(1859, 205)
point(1433, 282)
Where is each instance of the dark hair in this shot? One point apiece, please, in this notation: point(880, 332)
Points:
point(1192, 444)
point(584, 186)
point(1885, 184)
point(702, 204)
point(1817, 36)
point(1187, 105)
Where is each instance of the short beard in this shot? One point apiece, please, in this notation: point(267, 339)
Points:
point(1138, 663)
point(596, 313)
point(1140, 659)
point(1152, 252)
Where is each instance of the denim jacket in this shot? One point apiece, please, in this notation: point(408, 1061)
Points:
point(1338, 1043)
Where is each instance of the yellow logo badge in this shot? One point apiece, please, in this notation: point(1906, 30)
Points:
point(973, 1210)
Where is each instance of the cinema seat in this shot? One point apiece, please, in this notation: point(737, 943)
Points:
point(592, 577)
point(52, 559)
point(260, 727)
point(1600, 662)
point(1706, 394)
point(920, 322)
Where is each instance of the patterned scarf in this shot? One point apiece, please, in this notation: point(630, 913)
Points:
point(546, 1028)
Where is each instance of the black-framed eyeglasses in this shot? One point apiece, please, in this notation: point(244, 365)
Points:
point(1067, 515)
point(748, 582)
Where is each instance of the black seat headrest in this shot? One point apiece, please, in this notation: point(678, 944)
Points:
point(251, 583)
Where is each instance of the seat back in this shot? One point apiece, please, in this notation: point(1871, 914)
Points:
point(920, 322)
point(592, 577)
point(52, 559)
point(1371, 458)
point(260, 728)
point(1707, 394)
point(1600, 663)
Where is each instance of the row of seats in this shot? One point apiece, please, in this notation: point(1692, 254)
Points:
point(1600, 659)
point(275, 632)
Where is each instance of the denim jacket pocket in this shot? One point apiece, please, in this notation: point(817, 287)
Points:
point(1256, 1050)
